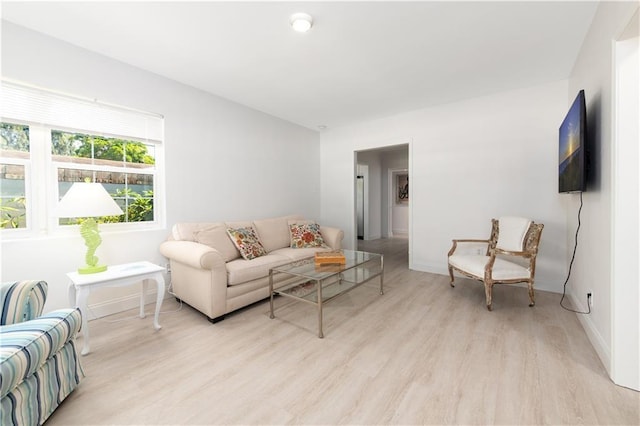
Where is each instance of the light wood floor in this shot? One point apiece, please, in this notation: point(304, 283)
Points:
point(423, 353)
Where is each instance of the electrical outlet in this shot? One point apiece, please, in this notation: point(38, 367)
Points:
point(590, 299)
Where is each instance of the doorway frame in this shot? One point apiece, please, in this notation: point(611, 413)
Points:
point(362, 170)
point(385, 146)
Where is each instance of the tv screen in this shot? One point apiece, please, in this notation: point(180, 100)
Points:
point(572, 171)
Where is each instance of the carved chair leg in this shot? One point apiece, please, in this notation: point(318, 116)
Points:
point(451, 275)
point(488, 287)
point(532, 301)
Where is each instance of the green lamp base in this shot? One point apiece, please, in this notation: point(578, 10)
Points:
point(91, 234)
point(92, 269)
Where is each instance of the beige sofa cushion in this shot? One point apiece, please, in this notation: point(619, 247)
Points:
point(274, 233)
point(240, 270)
point(186, 231)
point(216, 236)
point(299, 253)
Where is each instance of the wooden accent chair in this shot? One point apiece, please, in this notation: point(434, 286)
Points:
point(507, 257)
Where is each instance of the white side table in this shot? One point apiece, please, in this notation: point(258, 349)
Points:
point(80, 286)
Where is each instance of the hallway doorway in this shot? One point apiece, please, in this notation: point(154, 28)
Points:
point(382, 194)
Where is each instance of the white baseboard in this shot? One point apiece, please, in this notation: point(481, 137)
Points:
point(597, 341)
point(120, 304)
point(431, 268)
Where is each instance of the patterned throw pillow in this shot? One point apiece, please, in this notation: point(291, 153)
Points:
point(247, 242)
point(305, 235)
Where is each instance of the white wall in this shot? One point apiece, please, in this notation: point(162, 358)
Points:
point(224, 161)
point(470, 161)
point(592, 271)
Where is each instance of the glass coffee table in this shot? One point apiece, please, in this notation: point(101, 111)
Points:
point(303, 280)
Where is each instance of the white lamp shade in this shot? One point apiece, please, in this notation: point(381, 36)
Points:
point(86, 199)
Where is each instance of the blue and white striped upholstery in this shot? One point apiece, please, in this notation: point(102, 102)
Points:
point(21, 301)
point(39, 363)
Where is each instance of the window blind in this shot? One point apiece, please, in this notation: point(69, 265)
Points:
point(30, 104)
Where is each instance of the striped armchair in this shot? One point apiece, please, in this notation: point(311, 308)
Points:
point(39, 365)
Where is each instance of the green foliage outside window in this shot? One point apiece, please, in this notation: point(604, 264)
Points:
point(99, 147)
point(138, 207)
point(141, 209)
point(14, 137)
point(12, 213)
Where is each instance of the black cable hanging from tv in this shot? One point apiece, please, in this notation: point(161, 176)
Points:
point(575, 247)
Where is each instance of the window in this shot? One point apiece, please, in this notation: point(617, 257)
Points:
point(124, 167)
point(49, 141)
point(14, 159)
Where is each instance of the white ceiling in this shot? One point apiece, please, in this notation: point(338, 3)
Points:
point(361, 60)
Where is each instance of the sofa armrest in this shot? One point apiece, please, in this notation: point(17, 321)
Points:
point(193, 254)
point(332, 237)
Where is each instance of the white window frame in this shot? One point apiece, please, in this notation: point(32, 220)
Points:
point(41, 172)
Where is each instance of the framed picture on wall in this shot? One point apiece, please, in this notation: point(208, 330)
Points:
point(402, 188)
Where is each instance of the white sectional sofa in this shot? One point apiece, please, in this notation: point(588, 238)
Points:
point(209, 273)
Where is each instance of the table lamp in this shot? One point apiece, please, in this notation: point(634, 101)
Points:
point(88, 200)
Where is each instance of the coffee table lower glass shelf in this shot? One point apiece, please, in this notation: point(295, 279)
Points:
point(304, 281)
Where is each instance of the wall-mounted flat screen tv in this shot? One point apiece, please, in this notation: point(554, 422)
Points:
point(572, 160)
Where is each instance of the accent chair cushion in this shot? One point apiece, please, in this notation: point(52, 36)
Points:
point(502, 269)
point(247, 242)
point(305, 234)
point(511, 232)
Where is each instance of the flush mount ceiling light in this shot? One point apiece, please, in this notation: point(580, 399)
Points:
point(301, 22)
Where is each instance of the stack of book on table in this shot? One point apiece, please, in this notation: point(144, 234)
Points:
point(330, 258)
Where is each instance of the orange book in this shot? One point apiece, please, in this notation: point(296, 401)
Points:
point(330, 257)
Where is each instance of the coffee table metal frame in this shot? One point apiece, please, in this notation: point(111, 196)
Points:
point(318, 285)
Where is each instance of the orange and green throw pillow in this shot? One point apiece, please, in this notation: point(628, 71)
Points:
point(304, 235)
point(247, 242)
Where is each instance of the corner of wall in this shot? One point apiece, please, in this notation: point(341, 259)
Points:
point(599, 344)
